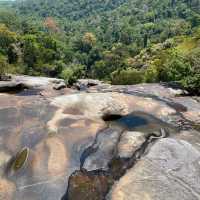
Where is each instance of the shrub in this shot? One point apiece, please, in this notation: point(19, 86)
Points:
point(67, 75)
point(176, 70)
point(151, 74)
point(72, 73)
point(6, 38)
point(127, 77)
point(183, 69)
point(3, 66)
point(192, 83)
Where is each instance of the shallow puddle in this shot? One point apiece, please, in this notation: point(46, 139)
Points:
point(28, 92)
point(139, 121)
point(23, 92)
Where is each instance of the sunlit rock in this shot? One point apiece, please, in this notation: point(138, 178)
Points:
point(7, 189)
point(129, 143)
point(164, 173)
point(68, 131)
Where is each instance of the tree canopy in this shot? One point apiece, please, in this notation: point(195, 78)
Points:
point(120, 41)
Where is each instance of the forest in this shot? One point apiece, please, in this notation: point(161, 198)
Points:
point(118, 41)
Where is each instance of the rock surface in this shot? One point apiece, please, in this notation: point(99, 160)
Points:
point(7, 189)
point(83, 84)
point(129, 143)
point(169, 171)
point(18, 83)
point(79, 141)
point(104, 148)
point(37, 82)
point(86, 186)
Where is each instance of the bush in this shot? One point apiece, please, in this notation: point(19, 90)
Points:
point(184, 69)
point(151, 74)
point(67, 75)
point(3, 66)
point(6, 38)
point(127, 77)
point(176, 70)
point(192, 83)
point(99, 70)
point(72, 73)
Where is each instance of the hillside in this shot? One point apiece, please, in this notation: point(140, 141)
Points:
point(67, 8)
point(84, 8)
point(108, 40)
point(123, 21)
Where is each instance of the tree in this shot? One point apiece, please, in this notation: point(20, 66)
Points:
point(30, 51)
point(7, 37)
point(127, 77)
point(14, 53)
point(73, 72)
point(9, 18)
point(3, 66)
point(147, 31)
point(88, 41)
point(176, 69)
point(51, 25)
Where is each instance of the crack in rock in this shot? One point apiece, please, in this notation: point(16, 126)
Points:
point(101, 164)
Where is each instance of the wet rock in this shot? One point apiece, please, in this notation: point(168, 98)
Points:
point(99, 105)
point(20, 159)
point(129, 143)
point(7, 189)
point(88, 186)
point(102, 151)
point(66, 129)
point(164, 173)
point(142, 122)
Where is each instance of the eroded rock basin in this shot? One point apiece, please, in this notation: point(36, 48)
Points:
point(98, 144)
point(140, 121)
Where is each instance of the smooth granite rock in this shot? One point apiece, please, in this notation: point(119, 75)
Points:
point(19, 83)
point(103, 150)
point(169, 171)
point(83, 84)
point(129, 143)
point(86, 135)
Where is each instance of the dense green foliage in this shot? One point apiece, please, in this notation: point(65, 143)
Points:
point(66, 8)
point(120, 41)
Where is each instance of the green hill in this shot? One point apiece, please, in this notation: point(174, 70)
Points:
point(122, 41)
point(118, 20)
point(67, 8)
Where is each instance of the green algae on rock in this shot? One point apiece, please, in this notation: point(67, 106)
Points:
point(20, 159)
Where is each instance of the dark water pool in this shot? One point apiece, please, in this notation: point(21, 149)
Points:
point(139, 121)
point(28, 92)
